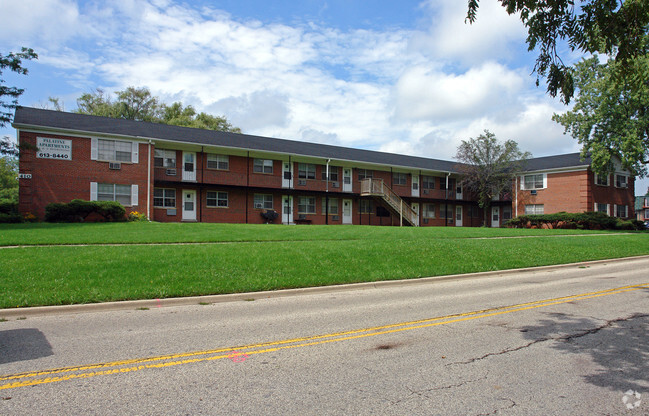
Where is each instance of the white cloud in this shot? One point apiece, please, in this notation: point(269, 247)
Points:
point(26, 22)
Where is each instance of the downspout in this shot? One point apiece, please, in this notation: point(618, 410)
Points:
point(148, 185)
point(327, 193)
point(516, 196)
point(446, 199)
point(247, 183)
point(200, 186)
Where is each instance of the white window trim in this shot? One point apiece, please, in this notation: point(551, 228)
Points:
point(94, 150)
point(134, 193)
point(227, 199)
point(626, 180)
point(164, 198)
point(545, 181)
point(608, 177)
point(218, 158)
point(264, 201)
point(307, 212)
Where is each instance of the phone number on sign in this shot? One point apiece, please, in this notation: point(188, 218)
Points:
point(53, 155)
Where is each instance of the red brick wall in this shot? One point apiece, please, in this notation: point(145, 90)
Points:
point(65, 180)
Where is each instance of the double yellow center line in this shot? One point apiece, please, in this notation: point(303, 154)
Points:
point(12, 381)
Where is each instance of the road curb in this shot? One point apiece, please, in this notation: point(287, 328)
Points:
point(247, 296)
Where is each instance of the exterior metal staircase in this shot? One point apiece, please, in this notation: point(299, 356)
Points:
point(378, 189)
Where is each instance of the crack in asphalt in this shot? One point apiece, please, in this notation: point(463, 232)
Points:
point(566, 338)
point(422, 393)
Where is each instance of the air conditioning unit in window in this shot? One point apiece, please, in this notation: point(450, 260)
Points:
point(301, 182)
point(425, 220)
point(259, 205)
point(171, 172)
point(301, 217)
point(114, 165)
point(335, 218)
point(336, 185)
point(533, 192)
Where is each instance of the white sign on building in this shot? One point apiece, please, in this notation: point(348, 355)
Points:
point(49, 148)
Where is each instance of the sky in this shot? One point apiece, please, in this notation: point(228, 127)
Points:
point(408, 77)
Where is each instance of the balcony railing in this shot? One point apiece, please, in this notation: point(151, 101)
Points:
point(378, 188)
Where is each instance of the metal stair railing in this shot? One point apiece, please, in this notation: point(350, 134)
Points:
point(377, 188)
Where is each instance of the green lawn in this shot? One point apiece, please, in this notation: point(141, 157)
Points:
point(264, 257)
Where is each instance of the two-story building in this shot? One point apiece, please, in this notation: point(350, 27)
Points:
point(174, 173)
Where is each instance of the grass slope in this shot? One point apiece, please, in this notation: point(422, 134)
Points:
point(264, 258)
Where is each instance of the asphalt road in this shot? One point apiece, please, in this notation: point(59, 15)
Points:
point(564, 341)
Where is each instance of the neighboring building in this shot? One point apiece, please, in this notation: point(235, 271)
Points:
point(176, 173)
point(642, 208)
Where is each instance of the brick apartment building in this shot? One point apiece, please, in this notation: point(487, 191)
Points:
point(178, 174)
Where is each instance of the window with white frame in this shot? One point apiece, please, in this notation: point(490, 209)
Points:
point(601, 180)
point(164, 158)
point(263, 201)
point(217, 199)
point(220, 162)
point(428, 182)
point(399, 178)
point(601, 208)
point(164, 198)
point(333, 173)
point(533, 181)
point(333, 206)
point(621, 181)
point(365, 206)
point(534, 209)
point(365, 174)
point(428, 211)
point(114, 150)
point(507, 213)
point(114, 192)
point(306, 205)
point(305, 171)
point(621, 211)
point(262, 166)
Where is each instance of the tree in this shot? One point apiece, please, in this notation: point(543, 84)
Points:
point(611, 113)
point(8, 178)
point(488, 168)
point(614, 28)
point(13, 61)
point(139, 104)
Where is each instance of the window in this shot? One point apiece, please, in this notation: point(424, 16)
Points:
point(164, 158)
point(220, 162)
point(333, 173)
point(533, 181)
point(602, 208)
point(428, 211)
point(365, 174)
point(114, 150)
point(263, 201)
point(262, 166)
point(333, 206)
point(365, 206)
point(305, 171)
point(601, 180)
point(507, 213)
point(646, 214)
point(620, 181)
point(113, 192)
point(442, 183)
point(218, 199)
point(306, 205)
point(428, 182)
point(399, 179)
point(449, 211)
point(621, 211)
point(534, 209)
point(164, 198)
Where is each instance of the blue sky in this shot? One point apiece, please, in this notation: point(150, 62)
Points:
point(407, 77)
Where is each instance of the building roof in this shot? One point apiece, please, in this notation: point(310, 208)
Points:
point(29, 117)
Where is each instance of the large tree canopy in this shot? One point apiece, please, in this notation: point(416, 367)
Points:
point(139, 104)
point(13, 61)
point(611, 27)
point(488, 168)
point(611, 113)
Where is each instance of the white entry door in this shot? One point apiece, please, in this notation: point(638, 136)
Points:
point(415, 207)
point(415, 185)
point(458, 216)
point(189, 205)
point(458, 192)
point(347, 211)
point(287, 175)
point(189, 166)
point(287, 209)
point(347, 180)
point(495, 217)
